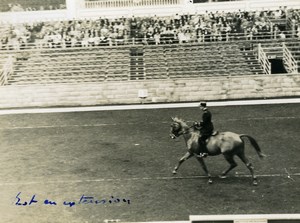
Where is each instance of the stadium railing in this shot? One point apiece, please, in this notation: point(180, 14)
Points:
point(289, 61)
point(232, 37)
point(7, 70)
point(263, 59)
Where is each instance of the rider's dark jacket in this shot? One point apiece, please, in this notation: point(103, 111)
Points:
point(206, 125)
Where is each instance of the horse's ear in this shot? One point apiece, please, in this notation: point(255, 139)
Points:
point(173, 119)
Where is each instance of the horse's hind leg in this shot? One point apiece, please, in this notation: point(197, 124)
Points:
point(249, 166)
point(230, 160)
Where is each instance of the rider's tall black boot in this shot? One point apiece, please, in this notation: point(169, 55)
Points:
point(203, 149)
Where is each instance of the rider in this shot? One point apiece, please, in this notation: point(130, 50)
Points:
point(206, 128)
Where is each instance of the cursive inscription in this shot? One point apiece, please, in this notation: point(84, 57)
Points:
point(83, 200)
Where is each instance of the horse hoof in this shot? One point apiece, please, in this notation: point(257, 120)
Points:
point(210, 181)
point(223, 176)
point(174, 172)
point(255, 183)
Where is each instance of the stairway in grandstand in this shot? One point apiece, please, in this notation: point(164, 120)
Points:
point(273, 49)
point(274, 52)
point(136, 63)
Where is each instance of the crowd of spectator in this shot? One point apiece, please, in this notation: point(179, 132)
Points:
point(210, 26)
point(295, 22)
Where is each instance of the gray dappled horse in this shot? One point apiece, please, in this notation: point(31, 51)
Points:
point(227, 143)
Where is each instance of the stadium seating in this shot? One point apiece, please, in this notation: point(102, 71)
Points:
point(72, 65)
point(170, 58)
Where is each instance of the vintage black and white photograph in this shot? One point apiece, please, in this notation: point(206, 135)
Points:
point(150, 111)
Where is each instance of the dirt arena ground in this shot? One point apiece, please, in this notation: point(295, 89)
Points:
point(92, 166)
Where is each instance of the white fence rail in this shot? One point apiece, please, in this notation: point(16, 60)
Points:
point(6, 71)
point(128, 3)
point(263, 59)
point(289, 61)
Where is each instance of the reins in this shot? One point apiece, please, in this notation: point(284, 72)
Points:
point(184, 131)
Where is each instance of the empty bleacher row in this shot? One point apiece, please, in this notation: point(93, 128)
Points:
point(115, 63)
point(185, 61)
point(71, 66)
point(152, 62)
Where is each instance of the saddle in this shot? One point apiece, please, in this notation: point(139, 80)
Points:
point(203, 149)
point(213, 134)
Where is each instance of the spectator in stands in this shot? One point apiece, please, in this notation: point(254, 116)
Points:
point(91, 39)
point(280, 13)
point(126, 36)
point(214, 32)
point(104, 41)
point(276, 31)
point(120, 37)
point(200, 36)
point(104, 32)
point(156, 37)
point(133, 26)
point(298, 32)
point(207, 34)
point(281, 35)
point(112, 37)
point(96, 39)
point(67, 40)
point(73, 41)
point(176, 20)
point(181, 36)
point(149, 38)
point(188, 36)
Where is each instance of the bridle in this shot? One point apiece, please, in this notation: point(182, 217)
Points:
point(181, 132)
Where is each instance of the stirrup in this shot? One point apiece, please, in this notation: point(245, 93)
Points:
point(215, 133)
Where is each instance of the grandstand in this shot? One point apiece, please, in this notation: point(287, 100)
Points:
point(81, 53)
point(188, 45)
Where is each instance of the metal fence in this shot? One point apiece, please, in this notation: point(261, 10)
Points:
point(164, 39)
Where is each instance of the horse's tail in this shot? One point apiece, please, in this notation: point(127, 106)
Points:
point(254, 144)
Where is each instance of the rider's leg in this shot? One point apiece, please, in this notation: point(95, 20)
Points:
point(202, 147)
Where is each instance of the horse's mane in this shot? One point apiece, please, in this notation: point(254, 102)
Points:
point(180, 121)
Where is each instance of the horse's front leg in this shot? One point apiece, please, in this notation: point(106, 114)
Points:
point(203, 165)
point(184, 158)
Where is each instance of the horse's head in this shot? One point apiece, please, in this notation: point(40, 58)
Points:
point(178, 127)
